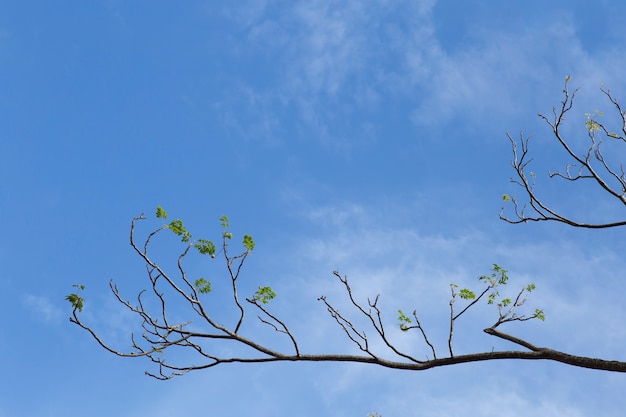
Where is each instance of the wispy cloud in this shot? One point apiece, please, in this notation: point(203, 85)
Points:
point(42, 308)
point(368, 57)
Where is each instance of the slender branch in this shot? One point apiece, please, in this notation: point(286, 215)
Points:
point(586, 164)
point(421, 329)
point(233, 277)
point(451, 332)
point(283, 326)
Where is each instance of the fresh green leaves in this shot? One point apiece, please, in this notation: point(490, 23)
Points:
point(405, 321)
point(160, 213)
point(178, 228)
point(203, 286)
point(539, 314)
point(225, 225)
point(498, 276)
point(466, 294)
point(205, 247)
point(175, 226)
point(75, 300)
point(264, 295)
point(248, 243)
point(591, 124)
point(224, 222)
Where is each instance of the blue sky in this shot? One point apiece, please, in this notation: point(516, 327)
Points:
point(364, 137)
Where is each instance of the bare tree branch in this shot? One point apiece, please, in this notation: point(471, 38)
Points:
point(591, 165)
point(161, 334)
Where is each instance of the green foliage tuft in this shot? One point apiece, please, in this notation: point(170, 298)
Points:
point(498, 276)
point(205, 247)
point(75, 300)
point(160, 213)
point(591, 124)
point(248, 243)
point(506, 197)
point(264, 294)
point(179, 229)
point(224, 221)
point(539, 314)
point(203, 286)
point(466, 294)
point(404, 321)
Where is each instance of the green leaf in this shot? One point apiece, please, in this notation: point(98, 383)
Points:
point(160, 213)
point(224, 221)
point(506, 197)
point(404, 321)
point(205, 247)
point(500, 273)
point(203, 286)
point(466, 294)
point(539, 314)
point(505, 302)
point(75, 300)
point(591, 124)
point(264, 294)
point(530, 287)
point(178, 228)
point(248, 243)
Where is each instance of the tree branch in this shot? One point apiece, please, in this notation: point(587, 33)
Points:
point(160, 334)
point(592, 165)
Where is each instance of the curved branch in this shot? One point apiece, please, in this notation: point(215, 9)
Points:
point(161, 334)
point(586, 163)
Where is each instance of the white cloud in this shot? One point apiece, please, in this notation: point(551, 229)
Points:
point(42, 308)
point(366, 56)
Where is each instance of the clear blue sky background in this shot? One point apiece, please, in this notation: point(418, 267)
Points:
point(367, 137)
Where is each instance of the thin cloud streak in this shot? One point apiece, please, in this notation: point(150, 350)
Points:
point(42, 308)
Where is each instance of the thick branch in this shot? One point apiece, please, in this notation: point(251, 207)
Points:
point(534, 353)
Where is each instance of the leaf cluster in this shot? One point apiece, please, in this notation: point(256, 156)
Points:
point(76, 300)
point(203, 286)
point(264, 295)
